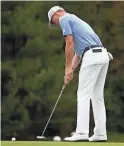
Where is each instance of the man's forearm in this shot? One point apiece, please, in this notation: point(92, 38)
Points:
point(69, 53)
point(75, 62)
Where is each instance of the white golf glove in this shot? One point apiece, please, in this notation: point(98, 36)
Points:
point(110, 56)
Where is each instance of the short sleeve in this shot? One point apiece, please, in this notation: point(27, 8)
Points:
point(65, 26)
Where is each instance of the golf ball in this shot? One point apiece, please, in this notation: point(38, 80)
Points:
point(13, 139)
point(56, 138)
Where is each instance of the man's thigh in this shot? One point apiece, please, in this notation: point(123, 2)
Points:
point(87, 78)
point(100, 82)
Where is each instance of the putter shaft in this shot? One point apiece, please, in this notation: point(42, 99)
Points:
point(53, 110)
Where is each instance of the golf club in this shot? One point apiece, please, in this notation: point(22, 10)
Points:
point(42, 136)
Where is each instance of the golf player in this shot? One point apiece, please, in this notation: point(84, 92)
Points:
point(83, 44)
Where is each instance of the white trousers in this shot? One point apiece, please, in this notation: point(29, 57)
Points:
point(92, 77)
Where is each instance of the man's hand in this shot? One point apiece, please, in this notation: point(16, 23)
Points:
point(68, 76)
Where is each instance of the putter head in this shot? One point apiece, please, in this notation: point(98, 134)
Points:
point(41, 137)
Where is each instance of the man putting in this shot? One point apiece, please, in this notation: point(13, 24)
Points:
point(83, 44)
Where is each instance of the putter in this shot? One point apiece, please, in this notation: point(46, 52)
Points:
point(42, 136)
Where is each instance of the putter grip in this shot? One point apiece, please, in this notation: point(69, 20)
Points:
point(63, 87)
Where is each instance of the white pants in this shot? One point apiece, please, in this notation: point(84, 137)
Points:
point(92, 77)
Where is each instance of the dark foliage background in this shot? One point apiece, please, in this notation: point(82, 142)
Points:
point(32, 58)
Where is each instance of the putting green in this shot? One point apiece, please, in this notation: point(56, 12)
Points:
point(40, 143)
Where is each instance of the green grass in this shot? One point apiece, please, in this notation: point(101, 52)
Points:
point(114, 139)
point(41, 143)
